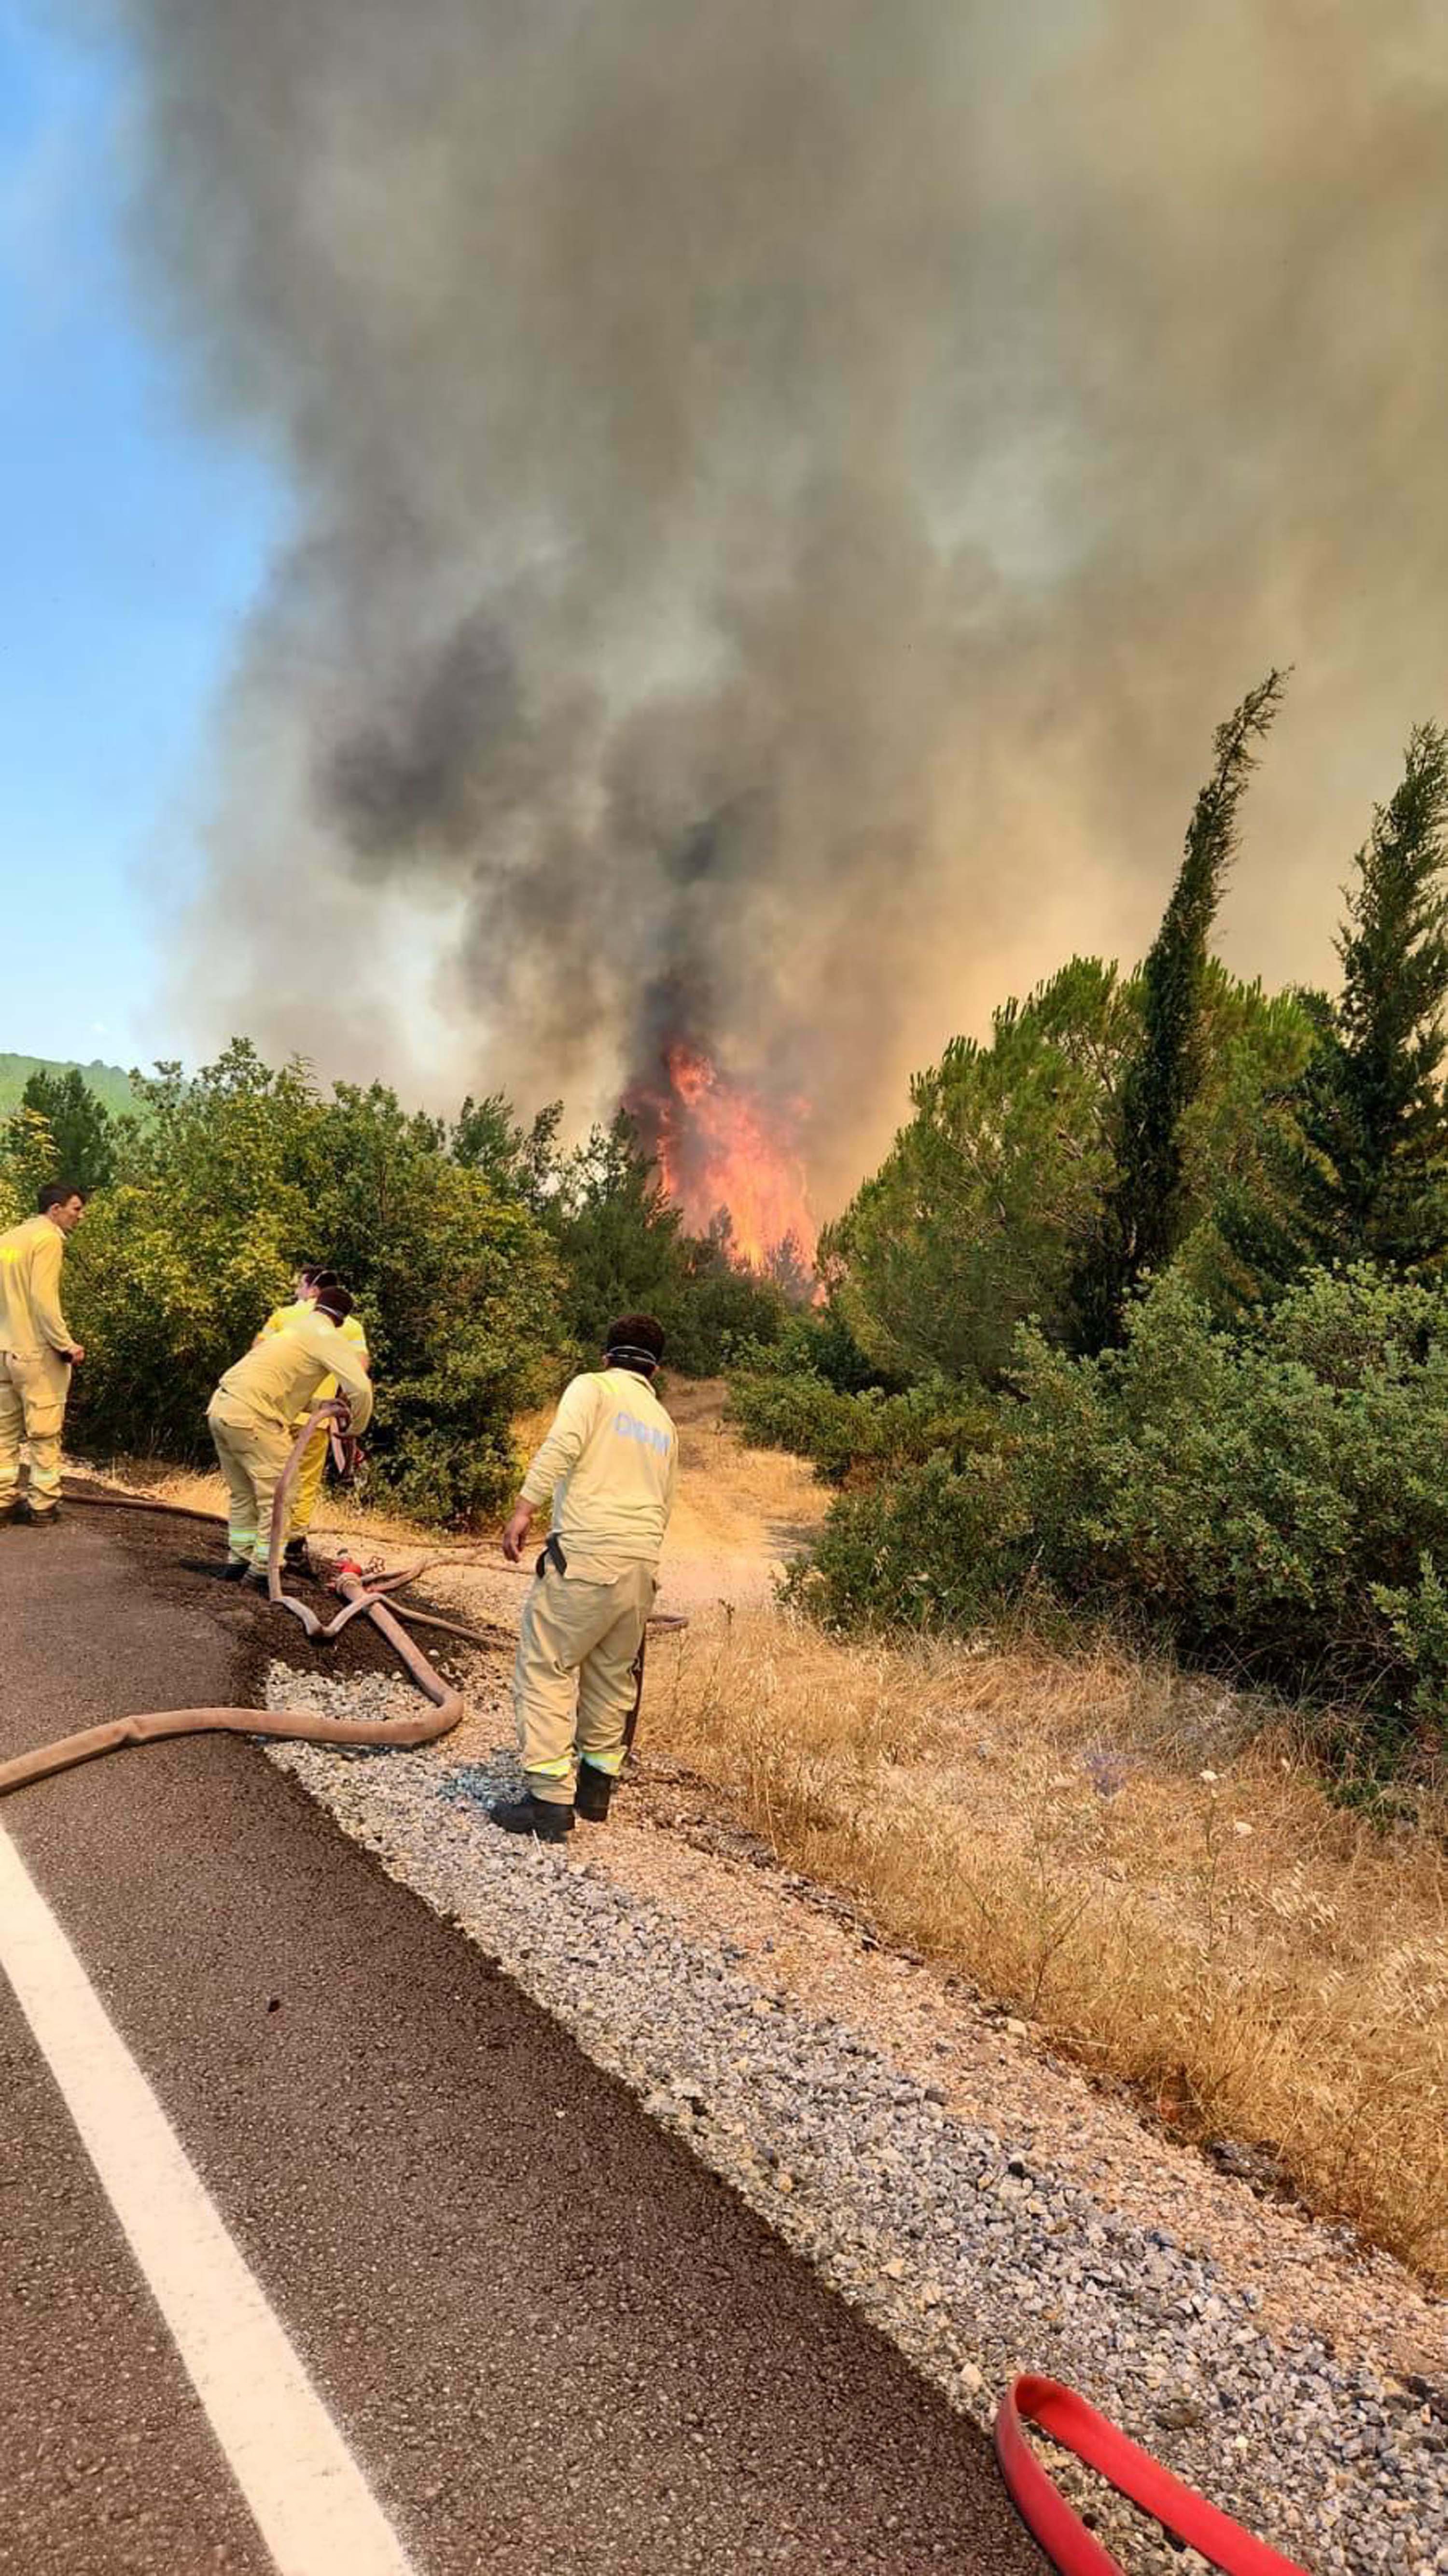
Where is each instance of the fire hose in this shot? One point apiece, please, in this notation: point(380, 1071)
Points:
point(1065, 2539)
point(1057, 2410)
point(402, 1609)
point(303, 1725)
point(362, 1597)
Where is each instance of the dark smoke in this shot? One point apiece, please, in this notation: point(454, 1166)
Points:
point(784, 494)
point(423, 775)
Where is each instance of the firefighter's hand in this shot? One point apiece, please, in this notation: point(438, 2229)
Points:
point(515, 1535)
point(76, 1354)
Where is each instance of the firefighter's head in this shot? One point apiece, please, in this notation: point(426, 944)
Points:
point(634, 1342)
point(64, 1203)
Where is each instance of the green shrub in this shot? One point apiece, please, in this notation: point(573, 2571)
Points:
point(861, 1436)
point(817, 1341)
point(929, 1549)
point(28, 1158)
point(800, 1412)
point(711, 1309)
point(236, 1178)
point(1272, 1501)
point(1417, 1616)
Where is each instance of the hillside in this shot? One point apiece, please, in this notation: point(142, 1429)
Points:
point(110, 1083)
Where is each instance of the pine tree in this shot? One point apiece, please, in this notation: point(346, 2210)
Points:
point(1142, 1217)
point(790, 1269)
point(79, 1124)
point(979, 1212)
point(521, 1162)
point(617, 1229)
point(1271, 1214)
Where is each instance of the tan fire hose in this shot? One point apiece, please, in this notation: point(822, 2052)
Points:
point(303, 1726)
point(362, 1596)
point(119, 1502)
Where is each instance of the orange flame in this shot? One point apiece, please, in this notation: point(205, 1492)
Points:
point(721, 1146)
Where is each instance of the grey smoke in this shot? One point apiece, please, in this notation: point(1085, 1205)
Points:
point(783, 494)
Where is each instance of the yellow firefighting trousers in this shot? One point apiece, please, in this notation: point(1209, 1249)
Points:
point(251, 1452)
point(573, 1684)
point(309, 1482)
point(33, 1389)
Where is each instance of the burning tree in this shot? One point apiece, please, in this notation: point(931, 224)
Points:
point(729, 1159)
point(624, 1244)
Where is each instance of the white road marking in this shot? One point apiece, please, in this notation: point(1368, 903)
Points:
point(311, 2502)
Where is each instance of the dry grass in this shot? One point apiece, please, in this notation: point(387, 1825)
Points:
point(1118, 1853)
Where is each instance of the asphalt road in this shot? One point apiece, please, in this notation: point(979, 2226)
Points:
point(552, 2340)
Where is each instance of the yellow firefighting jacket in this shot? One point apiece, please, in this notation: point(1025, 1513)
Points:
point(283, 1319)
point(31, 1322)
point(611, 1462)
point(281, 1376)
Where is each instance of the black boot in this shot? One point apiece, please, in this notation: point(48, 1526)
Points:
point(295, 1555)
point(529, 1815)
point(29, 1518)
point(594, 1790)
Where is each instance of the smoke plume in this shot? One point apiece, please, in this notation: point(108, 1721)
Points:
point(782, 496)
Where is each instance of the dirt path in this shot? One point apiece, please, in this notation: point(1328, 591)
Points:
point(741, 1514)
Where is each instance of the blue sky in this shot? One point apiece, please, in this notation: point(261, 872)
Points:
point(134, 542)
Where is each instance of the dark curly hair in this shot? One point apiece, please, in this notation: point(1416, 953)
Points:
point(635, 1342)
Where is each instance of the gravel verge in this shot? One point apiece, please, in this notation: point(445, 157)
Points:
point(977, 2256)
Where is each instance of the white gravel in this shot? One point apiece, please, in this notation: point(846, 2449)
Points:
point(975, 2259)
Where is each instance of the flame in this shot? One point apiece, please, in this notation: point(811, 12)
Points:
point(722, 1147)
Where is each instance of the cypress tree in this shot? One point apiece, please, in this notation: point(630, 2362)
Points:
point(1354, 1161)
point(1374, 1101)
point(1141, 1217)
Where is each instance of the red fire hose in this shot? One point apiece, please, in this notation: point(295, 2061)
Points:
point(1064, 2537)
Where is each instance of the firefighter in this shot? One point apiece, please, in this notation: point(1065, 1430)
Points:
point(253, 1417)
point(308, 1486)
point(37, 1353)
point(611, 1462)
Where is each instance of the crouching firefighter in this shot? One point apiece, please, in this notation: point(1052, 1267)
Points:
point(309, 1285)
point(253, 1418)
point(611, 1461)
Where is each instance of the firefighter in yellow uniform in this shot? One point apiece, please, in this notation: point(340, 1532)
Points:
point(37, 1352)
point(314, 1456)
point(611, 1463)
point(254, 1413)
